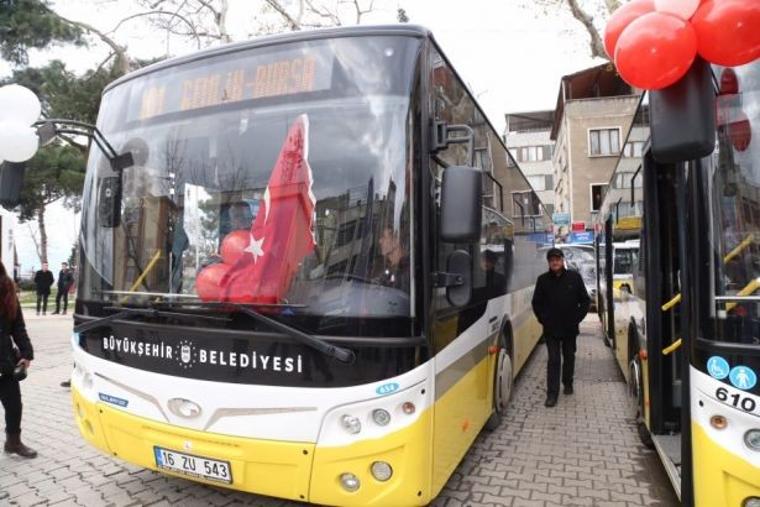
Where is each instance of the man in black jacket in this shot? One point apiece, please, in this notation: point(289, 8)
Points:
point(43, 279)
point(560, 302)
point(65, 280)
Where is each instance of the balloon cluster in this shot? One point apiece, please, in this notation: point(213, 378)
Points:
point(208, 282)
point(19, 108)
point(654, 42)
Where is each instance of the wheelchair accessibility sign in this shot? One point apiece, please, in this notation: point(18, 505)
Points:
point(743, 377)
point(718, 367)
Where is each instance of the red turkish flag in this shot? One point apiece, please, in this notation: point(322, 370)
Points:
point(282, 233)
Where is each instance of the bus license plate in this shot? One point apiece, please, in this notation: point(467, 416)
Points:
point(194, 466)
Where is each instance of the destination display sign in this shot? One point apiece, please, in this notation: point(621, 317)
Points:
point(233, 79)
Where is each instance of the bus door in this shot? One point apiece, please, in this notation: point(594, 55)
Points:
point(608, 289)
point(663, 312)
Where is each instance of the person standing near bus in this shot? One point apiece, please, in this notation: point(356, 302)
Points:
point(15, 355)
point(65, 280)
point(43, 280)
point(560, 302)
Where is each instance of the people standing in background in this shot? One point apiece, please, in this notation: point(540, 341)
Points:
point(43, 280)
point(65, 280)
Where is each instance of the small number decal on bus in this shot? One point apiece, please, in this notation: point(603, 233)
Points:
point(735, 399)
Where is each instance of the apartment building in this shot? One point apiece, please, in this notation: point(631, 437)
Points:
point(595, 109)
point(528, 138)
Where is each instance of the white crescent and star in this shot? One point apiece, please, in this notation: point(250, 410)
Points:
point(255, 248)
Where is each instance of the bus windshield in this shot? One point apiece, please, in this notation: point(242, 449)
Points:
point(278, 175)
point(735, 192)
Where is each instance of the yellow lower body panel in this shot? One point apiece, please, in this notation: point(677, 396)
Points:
point(721, 479)
point(280, 469)
point(406, 450)
point(294, 470)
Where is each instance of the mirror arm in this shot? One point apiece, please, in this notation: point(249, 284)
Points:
point(119, 162)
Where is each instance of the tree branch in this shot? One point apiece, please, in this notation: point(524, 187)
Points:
point(161, 13)
point(122, 60)
point(292, 23)
point(596, 44)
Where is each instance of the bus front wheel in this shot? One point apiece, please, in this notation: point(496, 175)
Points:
point(636, 390)
point(502, 388)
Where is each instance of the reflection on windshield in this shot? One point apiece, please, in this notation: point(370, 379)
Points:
point(298, 202)
point(735, 182)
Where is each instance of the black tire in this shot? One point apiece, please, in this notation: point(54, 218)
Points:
point(637, 392)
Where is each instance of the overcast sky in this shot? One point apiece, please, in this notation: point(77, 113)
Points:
point(511, 57)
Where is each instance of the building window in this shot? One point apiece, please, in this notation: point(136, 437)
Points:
point(525, 204)
point(604, 141)
point(633, 149)
point(533, 153)
point(597, 196)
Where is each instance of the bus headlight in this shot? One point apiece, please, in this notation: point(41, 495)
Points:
point(752, 501)
point(381, 471)
point(351, 424)
point(381, 417)
point(752, 439)
point(350, 482)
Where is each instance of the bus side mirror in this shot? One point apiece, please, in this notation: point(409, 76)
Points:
point(109, 201)
point(459, 271)
point(11, 183)
point(682, 117)
point(461, 204)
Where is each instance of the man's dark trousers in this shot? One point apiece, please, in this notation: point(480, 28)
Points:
point(561, 356)
point(42, 301)
point(62, 294)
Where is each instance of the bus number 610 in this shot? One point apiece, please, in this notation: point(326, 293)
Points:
point(736, 399)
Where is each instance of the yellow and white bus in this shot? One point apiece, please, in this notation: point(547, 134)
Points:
point(687, 337)
point(400, 313)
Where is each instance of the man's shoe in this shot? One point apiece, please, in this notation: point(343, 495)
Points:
point(568, 389)
point(55, 312)
point(13, 445)
point(64, 312)
point(550, 401)
point(66, 383)
point(38, 313)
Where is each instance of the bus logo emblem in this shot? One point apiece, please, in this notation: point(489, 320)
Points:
point(743, 377)
point(387, 388)
point(718, 367)
point(185, 353)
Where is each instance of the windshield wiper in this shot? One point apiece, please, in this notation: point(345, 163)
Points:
point(341, 354)
point(148, 312)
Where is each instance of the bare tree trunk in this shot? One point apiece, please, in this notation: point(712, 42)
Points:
point(596, 44)
point(222, 21)
point(43, 249)
point(33, 235)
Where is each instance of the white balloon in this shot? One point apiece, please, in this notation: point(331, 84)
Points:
point(683, 9)
point(19, 105)
point(18, 143)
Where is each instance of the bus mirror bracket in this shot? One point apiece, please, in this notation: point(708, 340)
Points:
point(109, 195)
point(442, 138)
point(458, 278)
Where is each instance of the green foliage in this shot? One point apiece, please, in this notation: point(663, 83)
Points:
point(55, 172)
point(26, 24)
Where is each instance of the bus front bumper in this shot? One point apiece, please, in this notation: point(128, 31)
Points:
point(299, 471)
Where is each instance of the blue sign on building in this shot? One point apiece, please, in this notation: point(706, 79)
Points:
point(585, 238)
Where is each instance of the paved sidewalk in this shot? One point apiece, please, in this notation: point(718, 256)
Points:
point(583, 452)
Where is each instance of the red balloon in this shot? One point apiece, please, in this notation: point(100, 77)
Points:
point(620, 19)
point(207, 282)
point(233, 245)
point(728, 31)
point(655, 51)
point(740, 132)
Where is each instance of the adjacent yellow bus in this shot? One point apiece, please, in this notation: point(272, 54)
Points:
point(687, 334)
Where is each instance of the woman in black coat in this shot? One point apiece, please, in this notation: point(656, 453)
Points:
point(15, 354)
